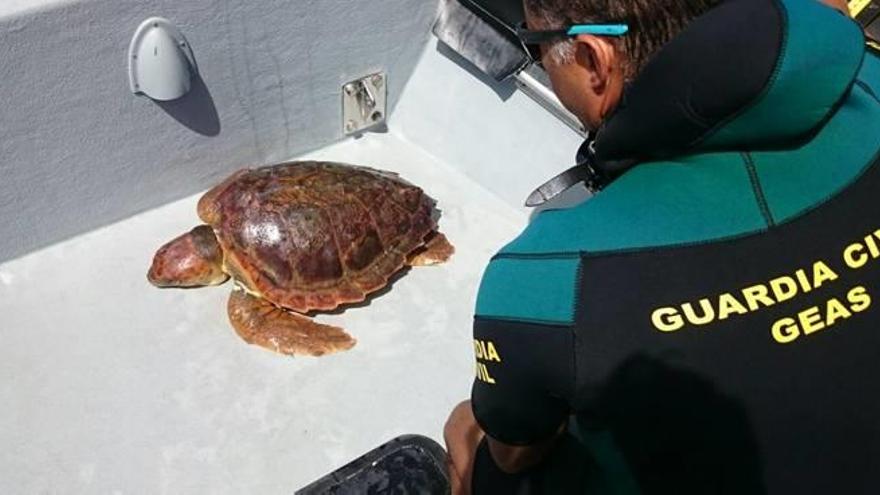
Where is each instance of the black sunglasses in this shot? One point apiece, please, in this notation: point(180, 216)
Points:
point(532, 39)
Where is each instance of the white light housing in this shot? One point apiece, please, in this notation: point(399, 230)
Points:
point(161, 64)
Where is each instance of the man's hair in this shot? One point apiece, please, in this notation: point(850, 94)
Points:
point(652, 23)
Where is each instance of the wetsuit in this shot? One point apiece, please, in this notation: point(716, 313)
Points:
point(710, 322)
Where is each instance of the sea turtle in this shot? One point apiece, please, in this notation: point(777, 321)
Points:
point(299, 237)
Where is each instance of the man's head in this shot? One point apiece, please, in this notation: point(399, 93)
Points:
point(588, 72)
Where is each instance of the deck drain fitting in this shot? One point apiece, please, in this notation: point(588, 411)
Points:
point(363, 103)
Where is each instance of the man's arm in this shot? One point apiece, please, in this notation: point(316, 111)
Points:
point(513, 459)
point(517, 408)
point(463, 436)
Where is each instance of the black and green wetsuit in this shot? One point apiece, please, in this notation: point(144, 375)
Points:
point(712, 318)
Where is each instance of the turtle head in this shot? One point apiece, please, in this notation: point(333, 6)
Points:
point(194, 259)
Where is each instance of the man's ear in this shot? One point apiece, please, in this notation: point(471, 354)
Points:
point(598, 57)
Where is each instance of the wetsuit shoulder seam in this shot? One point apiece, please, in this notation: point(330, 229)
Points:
point(529, 321)
point(757, 189)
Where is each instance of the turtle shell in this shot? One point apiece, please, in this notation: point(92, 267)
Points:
point(314, 235)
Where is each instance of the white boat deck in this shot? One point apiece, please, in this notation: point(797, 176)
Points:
point(110, 385)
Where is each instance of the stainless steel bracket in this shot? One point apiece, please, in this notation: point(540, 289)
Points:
point(363, 103)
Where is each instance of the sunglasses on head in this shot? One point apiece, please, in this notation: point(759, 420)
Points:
point(532, 39)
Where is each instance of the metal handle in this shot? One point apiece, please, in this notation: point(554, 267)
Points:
point(545, 97)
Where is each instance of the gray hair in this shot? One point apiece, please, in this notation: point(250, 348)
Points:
point(652, 24)
point(560, 51)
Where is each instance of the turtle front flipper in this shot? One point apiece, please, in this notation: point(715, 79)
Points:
point(437, 249)
point(262, 323)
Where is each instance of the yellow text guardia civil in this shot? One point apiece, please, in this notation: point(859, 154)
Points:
point(756, 297)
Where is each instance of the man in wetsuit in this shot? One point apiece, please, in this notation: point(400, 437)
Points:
point(710, 321)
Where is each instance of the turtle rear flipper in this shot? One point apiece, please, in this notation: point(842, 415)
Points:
point(437, 249)
point(262, 323)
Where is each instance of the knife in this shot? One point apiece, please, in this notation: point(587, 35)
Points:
point(584, 172)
